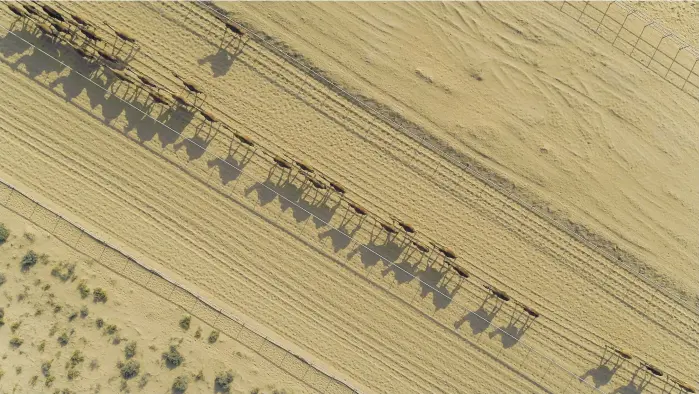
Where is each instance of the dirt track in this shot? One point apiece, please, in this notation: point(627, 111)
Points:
point(178, 207)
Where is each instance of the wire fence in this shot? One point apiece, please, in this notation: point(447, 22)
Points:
point(634, 268)
point(641, 38)
point(120, 263)
point(532, 357)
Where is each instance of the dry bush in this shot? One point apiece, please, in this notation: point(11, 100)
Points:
point(185, 322)
point(180, 384)
point(213, 337)
point(29, 260)
point(99, 295)
point(130, 350)
point(4, 233)
point(223, 381)
point(173, 358)
point(129, 369)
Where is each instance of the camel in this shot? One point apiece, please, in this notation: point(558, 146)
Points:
point(652, 369)
point(121, 34)
point(282, 162)
point(50, 11)
point(339, 188)
point(191, 86)
point(46, 29)
point(358, 209)
point(448, 253)
point(159, 98)
point(208, 116)
point(623, 353)
point(89, 34)
point(235, 29)
point(498, 293)
point(16, 10)
point(684, 386)
point(463, 274)
point(30, 9)
point(108, 57)
point(420, 247)
point(80, 20)
point(85, 54)
point(306, 168)
point(61, 27)
point(407, 227)
point(245, 139)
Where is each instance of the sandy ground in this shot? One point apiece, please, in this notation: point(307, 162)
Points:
point(42, 305)
point(533, 94)
point(163, 199)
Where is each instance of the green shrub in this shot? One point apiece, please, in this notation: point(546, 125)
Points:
point(99, 295)
point(111, 329)
point(63, 339)
point(73, 373)
point(129, 369)
point(42, 345)
point(33, 380)
point(4, 233)
point(130, 350)
point(63, 271)
point(46, 368)
point(49, 380)
point(180, 384)
point(15, 326)
point(83, 289)
point(213, 337)
point(173, 358)
point(99, 322)
point(185, 322)
point(29, 260)
point(76, 358)
point(16, 342)
point(223, 381)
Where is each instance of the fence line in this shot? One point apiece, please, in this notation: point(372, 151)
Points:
point(111, 258)
point(481, 175)
point(310, 214)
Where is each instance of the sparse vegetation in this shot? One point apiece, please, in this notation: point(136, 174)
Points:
point(199, 376)
point(198, 333)
point(173, 358)
point(33, 380)
point(185, 322)
point(73, 315)
point(4, 233)
point(99, 322)
point(223, 381)
point(129, 369)
point(99, 295)
point(63, 339)
point(2, 317)
point(42, 345)
point(84, 312)
point(73, 373)
point(29, 260)
point(144, 380)
point(29, 237)
point(111, 329)
point(83, 289)
point(3, 279)
point(49, 380)
point(180, 384)
point(63, 271)
point(213, 336)
point(130, 350)
point(76, 358)
point(16, 342)
point(46, 368)
point(15, 326)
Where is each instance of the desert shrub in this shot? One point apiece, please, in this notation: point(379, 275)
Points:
point(63, 339)
point(130, 349)
point(180, 384)
point(46, 368)
point(198, 333)
point(94, 364)
point(84, 312)
point(185, 322)
point(49, 380)
point(76, 358)
point(255, 391)
point(173, 358)
point(63, 271)
point(144, 380)
point(99, 295)
point(213, 337)
point(111, 329)
point(129, 369)
point(223, 381)
point(16, 342)
point(42, 345)
point(72, 316)
point(99, 322)
point(73, 373)
point(199, 376)
point(2, 316)
point(33, 380)
point(83, 289)
point(15, 326)
point(3, 279)
point(29, 260)
point(4, 233)
point(29, 237)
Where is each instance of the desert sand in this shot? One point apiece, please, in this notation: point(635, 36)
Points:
point(522, 88)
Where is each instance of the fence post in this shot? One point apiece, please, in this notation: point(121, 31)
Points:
point(604, 15)
point(674, 59)
point(656, 49)
point(622, 26)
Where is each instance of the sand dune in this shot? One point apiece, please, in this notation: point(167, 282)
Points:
point(165, 199)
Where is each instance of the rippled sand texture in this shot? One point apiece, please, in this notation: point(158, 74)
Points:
point(184, 210)
point(531, 92)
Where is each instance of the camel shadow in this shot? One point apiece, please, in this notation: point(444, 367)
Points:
point(221, 61)
point(371, 253)
point(340, 238)
point(633, 387)
point(519, 323)
point(436, 281)
point(480, 319)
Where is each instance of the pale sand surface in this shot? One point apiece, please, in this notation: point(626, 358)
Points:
point(162, 199)
point(140, 317)
point(558, 110)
